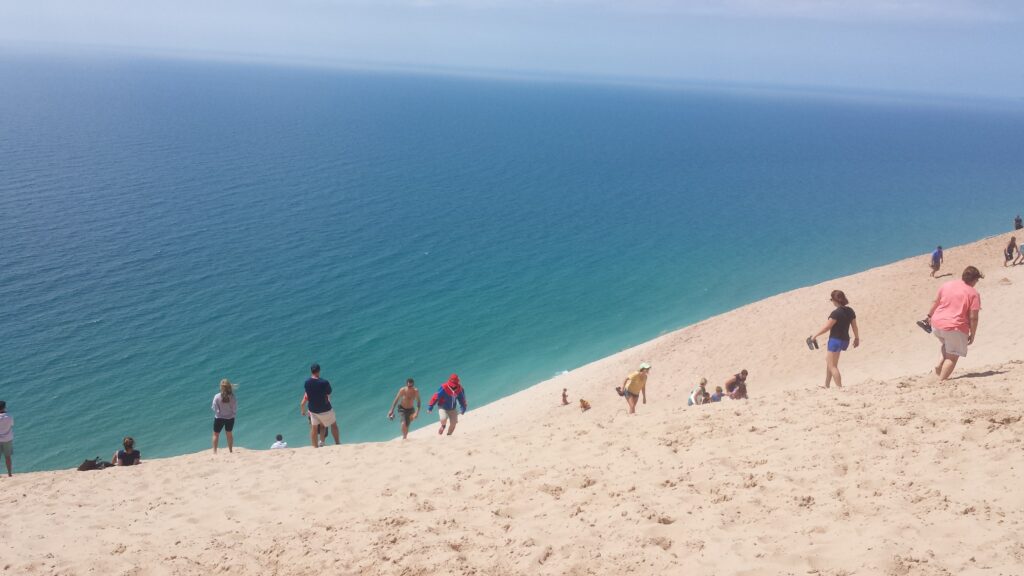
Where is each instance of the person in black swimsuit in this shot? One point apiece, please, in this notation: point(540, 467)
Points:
point(838, 327)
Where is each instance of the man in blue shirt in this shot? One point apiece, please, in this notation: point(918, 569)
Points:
point(318, 395)
point(936, 260)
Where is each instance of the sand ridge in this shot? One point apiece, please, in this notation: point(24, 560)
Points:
point(898, 474)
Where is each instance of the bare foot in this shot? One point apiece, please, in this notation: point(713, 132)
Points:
point(440, 430)
point(938, 370)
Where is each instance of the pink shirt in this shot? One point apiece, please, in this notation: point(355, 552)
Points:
point(956, 301)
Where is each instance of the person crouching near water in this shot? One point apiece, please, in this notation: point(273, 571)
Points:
point(225, 406)
point(445, 399)
point(838, 327)
point(635, 387)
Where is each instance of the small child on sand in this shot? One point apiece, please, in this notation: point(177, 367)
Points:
point(584, 405)
point(565, 396)
point(279, 444)
point(718, 395)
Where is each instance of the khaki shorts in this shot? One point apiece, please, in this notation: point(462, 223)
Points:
point(953, 341)
point(324, 419)
point(445, 415)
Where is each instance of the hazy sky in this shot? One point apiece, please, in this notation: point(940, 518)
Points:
point(941, 46)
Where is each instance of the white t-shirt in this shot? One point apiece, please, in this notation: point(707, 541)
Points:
point(278, 445)
point(6, 427)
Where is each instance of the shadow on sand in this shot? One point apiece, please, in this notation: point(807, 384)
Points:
point(984, 374)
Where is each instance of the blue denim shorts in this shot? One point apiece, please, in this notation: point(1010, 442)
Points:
point(837, 345)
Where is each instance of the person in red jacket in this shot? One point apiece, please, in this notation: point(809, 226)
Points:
point(450, 393)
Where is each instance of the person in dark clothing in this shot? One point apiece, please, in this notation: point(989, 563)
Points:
point(838, 327)
point(318, 396)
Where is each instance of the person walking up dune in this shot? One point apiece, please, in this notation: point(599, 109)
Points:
point(936, 260)
point(225, 407)
point(634, 387)
point(838, 327)
point(1011, 250)
point(406, 397)
point(445, 399)
point(954, 319)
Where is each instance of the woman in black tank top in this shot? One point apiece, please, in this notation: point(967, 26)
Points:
point(838, 327)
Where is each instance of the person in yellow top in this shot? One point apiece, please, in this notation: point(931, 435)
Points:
point(635, 386)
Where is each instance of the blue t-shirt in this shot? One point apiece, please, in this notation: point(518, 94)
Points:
point(317, 390)
point(936, 256)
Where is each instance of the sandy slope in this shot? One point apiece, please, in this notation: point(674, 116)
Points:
point(897, 474)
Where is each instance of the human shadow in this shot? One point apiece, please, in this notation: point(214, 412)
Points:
point(943, 275)
point(984, 374)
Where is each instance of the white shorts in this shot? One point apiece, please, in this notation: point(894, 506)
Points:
point(445, 415)
point(953, 341)
point(324, 419)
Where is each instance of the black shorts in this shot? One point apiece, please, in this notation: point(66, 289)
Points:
point(225, 423)
point(406, 414)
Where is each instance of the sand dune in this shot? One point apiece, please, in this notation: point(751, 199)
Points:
point(897, 474)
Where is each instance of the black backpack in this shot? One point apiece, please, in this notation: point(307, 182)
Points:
point(95, 464)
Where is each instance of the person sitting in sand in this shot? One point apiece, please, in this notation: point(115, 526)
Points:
point(838, 327)
point(404, 399)
point(718, 395)
point(1018, 223)
point(225, 407)
point(699, 395)
point(634, 387)
point(936, 260)
point(445, 399)
point(279, 444)
point(128, 456)
point(736, 387)
point(565, 396)
point(584, 405)
point(1011, 251)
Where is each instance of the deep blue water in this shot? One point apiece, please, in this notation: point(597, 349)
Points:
point(167, 224)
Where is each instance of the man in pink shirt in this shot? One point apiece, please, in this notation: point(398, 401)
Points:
point(954, 318)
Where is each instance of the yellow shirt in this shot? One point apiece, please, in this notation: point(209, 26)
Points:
point(637, 382)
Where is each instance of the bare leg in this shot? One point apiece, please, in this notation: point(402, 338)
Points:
point(942, 360)
point(216, 440)
point(231, 442)
point(405, 428)
point(452, 428)
point(335, 433)
point(7, 460)
point(828, 372)
point(631, 401)
point(443, 424)
point(948, 364)
point(833, 366)
point(313, 435)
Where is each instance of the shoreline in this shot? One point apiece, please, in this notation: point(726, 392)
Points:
point(896, 473)
point(622, 362)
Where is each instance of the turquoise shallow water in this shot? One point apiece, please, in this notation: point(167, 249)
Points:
point(166, 224)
